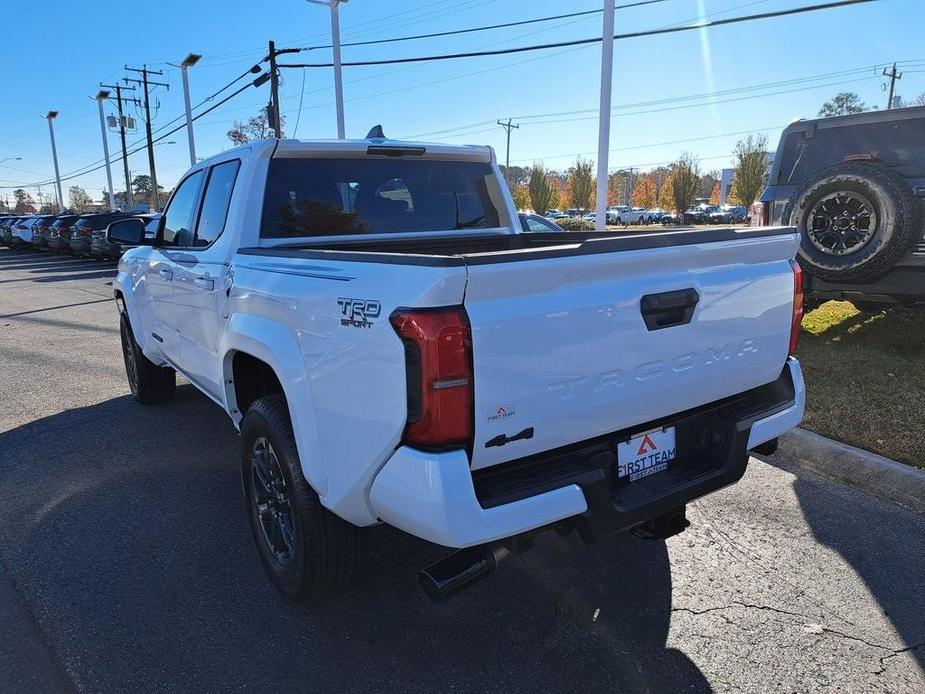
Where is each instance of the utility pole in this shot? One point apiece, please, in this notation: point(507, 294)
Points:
point(146, 84)
point(893, 75)
point(273, 109)
point(187, 63)
point(50, 117)
point(603, 139)
point(129, 201)
point(508, 127)
point(335, 44)
point(100, 97)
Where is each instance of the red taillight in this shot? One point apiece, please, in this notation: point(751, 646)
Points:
point(438, 362)
point(797, 306)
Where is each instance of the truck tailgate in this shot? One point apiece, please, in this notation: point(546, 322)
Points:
point(561, 346)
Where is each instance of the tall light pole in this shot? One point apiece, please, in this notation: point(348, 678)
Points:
point(50, 117)
point(603, 138)
point(335, 43)
point(101, 96)
point(11, 159)
point(187, 63)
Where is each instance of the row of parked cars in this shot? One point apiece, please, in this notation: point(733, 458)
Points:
point(71, 233)
point(698, 214)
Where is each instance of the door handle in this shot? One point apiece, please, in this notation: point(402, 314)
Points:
point(204, 283)
point(668, 309)
point(166, 274)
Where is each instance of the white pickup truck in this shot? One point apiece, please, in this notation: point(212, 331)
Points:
point(394, 350)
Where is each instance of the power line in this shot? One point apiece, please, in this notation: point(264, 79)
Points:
point(582, 42)
point(505, 25)
point(260, 80)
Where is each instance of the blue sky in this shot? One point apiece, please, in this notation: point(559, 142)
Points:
point(816, 54)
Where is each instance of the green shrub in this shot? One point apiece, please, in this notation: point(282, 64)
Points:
point(574, 224)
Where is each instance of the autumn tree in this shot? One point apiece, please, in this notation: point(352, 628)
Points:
point(665, 194)
point(254, 128)
point(645, 193)
point(685, 177)
point(714, 194)
point(539, 189)
point(24, 201)
point(521, 195)
point(751, 153)
point(581, 183)
point(78, 199)
point(843, 104)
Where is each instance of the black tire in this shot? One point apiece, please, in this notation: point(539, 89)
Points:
point(322, 553)
point(886, 225)
point(150, 384)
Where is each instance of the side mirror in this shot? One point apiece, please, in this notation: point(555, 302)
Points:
point(130, 232)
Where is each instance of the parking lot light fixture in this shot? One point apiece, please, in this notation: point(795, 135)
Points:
point(101, 96)
point(50, 117)
point(11, 159)
point(335, 44)
point(188, 62)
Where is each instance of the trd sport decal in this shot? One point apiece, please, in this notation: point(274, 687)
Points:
point(356, 313)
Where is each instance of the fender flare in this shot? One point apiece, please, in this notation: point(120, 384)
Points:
point(122, 285)
point(275, 345)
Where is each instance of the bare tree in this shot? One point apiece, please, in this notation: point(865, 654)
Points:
point(254, 128)
point(78, 199)
point(751, 155)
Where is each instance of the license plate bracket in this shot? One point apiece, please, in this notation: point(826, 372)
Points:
point(646, 453)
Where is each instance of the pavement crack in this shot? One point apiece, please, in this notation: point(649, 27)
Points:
point(896, 652)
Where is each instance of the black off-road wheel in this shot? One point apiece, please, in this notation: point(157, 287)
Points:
point(151, 384)
point(308, 552)
point(856, 221)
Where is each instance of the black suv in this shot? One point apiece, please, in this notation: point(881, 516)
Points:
point(855, 187)
point(59, 233)
point(83, 229)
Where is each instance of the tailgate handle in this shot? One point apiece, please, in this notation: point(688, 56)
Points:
point(668, 309)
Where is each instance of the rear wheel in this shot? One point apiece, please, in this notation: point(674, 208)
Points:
point(856, 221)
point(308, 552)
point(150, 384)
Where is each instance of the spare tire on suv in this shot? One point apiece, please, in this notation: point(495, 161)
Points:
point(856, 221)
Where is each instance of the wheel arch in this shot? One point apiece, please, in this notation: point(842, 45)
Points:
point(262, 357)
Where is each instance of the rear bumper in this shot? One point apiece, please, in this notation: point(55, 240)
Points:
point(80, 246)
point(435, 496)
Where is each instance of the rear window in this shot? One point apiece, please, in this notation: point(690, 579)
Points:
point(899, 144)
point(329, 197)
point(63, 222)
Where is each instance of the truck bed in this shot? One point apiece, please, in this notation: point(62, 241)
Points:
point(472, 249)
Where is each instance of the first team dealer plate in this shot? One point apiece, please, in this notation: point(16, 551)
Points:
point(646, 453)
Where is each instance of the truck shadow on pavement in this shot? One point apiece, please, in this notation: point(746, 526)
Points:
point(872, 549)
point(124, 529)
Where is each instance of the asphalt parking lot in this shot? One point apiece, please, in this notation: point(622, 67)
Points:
point(127, 563)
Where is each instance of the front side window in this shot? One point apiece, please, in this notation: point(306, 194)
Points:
point(178, 219)
point(329, 197)
point(215, 202)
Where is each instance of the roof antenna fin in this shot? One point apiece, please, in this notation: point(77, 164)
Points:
point(375, 133)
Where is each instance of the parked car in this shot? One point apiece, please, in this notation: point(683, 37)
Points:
point(554, 214)
point(534, 222)
point(22, 232)
point(728, 214)
point(6, 229)
point(101, 247)
point(623, 214)
point(854, 186)
point(82, 230)
point(699, 214)
point(457, 380)
point(655, 215)
point(59, 233)
point(40, 232)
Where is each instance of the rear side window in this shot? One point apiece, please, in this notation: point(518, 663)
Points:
point(329, 197)
point(215, 202)
point(178, 219)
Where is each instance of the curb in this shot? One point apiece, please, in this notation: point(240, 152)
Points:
point(872, 473)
